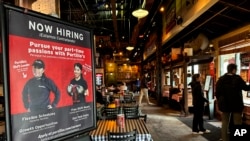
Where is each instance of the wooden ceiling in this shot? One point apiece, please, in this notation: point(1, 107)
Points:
point(115, 34)
point(223, 17)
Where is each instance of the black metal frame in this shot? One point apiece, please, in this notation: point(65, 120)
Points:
point(4, 8)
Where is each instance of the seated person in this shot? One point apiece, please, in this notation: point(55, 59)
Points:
point(111, 88)
point(165, 91)
point(123, 87)
point(177, 94)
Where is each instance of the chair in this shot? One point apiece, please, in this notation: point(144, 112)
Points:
point(3, 137)
point(128, 98)
point(126, 136)
point(144, 117)
point(106, 99)
point(133, 113)
point(100, 112)
point(111, 113)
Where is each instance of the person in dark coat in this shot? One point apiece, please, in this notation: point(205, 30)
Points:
point(36, 92)
point(99, 97)
point(229, 97)
point(198, 105)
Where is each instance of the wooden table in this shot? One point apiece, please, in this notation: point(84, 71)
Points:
point(100, 134)
point(129, 104)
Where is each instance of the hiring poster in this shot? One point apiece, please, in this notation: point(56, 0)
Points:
point(50, 77)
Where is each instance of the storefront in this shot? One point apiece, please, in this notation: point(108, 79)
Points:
point(242, 61)
point(180, 75)
point(234, 47)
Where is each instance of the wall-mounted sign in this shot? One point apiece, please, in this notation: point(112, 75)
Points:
point(169, 20)
point(175, 53)
point(245, 58)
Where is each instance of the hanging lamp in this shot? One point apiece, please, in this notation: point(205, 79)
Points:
point(141, 12)
point(129, 47)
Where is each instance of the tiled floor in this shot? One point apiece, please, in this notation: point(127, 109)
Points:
point(164, 125)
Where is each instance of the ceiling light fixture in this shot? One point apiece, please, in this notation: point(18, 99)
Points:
point(129, 47)
point(141, 12)
point(162, 9)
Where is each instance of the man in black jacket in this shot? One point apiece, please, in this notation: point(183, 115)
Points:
point(229, 95)
point(36, 92)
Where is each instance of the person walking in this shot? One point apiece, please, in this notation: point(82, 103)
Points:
point(137, 85)
point(198, 105)
point(144, 89)
point(228, 93)
point(36, 92)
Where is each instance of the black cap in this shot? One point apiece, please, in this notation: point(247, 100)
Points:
point(38, 64)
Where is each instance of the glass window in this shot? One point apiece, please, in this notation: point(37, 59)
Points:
point(224, 61)
point(196, 68)
point(243, 69)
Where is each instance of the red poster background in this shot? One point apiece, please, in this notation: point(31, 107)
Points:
point(57, 67)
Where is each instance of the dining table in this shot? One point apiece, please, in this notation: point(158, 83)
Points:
point(126, 104)
point(100, 133)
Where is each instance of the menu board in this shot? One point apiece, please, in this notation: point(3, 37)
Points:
point(49, 75)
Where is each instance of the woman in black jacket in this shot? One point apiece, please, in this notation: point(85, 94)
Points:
point(198, 105)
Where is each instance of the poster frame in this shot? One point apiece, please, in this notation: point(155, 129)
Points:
point(6, 72)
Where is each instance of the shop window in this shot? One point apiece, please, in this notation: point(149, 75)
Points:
point(167, 78)
point(243, 68)
point(196, 69)
point(225, 60)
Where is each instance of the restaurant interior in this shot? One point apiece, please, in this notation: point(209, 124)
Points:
point(172, 41)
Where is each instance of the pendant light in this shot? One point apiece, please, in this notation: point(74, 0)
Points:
point(129, 47)
point(141, 12)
